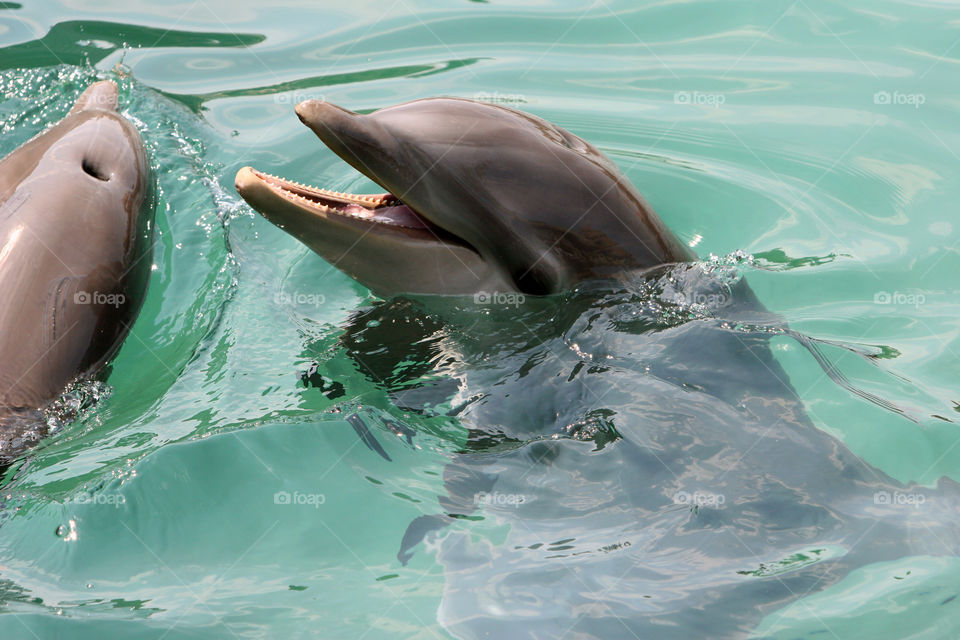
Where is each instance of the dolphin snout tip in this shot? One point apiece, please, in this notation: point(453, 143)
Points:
point(308, 110)
point(315, 112)
point(108, 86)
point(99, 95)
point(244, 179)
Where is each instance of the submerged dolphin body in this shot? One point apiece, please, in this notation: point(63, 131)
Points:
point(481, 197)
point(632, 467)
point(656, 472)
point(75, 208)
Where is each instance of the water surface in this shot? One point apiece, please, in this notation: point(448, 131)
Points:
point(818, 138)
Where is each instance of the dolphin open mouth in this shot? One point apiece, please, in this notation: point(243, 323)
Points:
point(383, 208)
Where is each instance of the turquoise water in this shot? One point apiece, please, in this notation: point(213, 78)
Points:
point(818, 138)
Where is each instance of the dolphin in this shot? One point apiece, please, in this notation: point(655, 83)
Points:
point(657, 474)
point(75, 210)
point(480, 197)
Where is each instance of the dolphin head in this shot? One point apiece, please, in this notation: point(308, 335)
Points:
point(93, 156)
point(480, 196)
point(75, 204)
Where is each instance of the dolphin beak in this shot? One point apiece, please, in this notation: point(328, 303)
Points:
point(360, 142)
point(247, 184)
point(321, 111)
point(99, 95)
point(252, 187)
point(328, 120)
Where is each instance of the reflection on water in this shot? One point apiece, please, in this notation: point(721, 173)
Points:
point(87, 43)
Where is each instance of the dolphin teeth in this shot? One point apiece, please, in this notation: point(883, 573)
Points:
point(357, 206)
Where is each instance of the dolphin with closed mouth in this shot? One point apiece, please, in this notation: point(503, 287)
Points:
point(75, 208)
point(480, 198)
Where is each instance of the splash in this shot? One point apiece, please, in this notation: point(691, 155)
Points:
point(78, 400)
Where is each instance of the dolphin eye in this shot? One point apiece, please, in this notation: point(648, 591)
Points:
point(533, 282)
point(93, 170)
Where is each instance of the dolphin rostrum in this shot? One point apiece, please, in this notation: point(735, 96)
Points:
point(75, 208)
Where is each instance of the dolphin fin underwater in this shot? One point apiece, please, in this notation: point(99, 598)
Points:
point(75, 209)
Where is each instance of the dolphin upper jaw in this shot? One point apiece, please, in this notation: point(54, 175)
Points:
point(361, 143)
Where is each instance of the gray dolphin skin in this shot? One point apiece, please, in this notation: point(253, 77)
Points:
point(74, 238)
point(480, 197)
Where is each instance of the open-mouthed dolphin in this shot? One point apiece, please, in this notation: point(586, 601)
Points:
point(75, 205)
point(656, 473)
point(481, 198)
